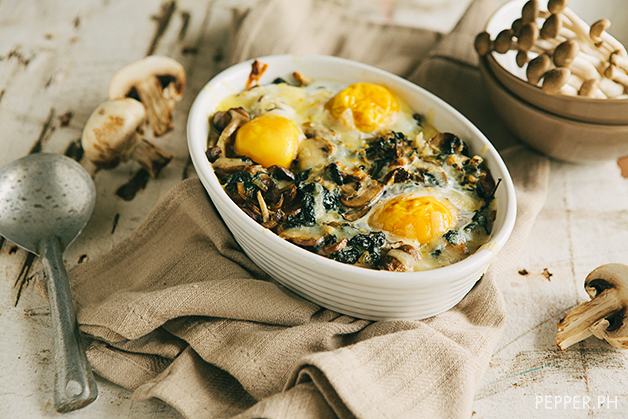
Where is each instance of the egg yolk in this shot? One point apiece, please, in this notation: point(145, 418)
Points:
point(268, 140)
point(371, 105)
point(420, 218)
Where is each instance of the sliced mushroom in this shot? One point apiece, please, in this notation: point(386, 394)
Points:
point(155, 81)
point(302, 239)
point(397, 175)
point(232, 119)
point(605, 315)
point(368, 191)
point(227, 166)
point(448, 143)
point(356, 214)
point(401, 259)
point(113, 134)
point(334, 247)
point(314, 152)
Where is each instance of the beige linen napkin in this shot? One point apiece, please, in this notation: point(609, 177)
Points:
point(179, 313)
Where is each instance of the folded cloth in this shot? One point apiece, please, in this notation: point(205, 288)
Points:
point(179, 313)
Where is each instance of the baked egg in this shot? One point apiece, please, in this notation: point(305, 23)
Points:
point(352, 173)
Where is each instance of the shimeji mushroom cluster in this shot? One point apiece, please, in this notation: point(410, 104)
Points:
point(142, 93)
point(564, 55)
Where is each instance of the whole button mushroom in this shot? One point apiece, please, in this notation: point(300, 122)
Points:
point(605, 315)
point(157, 82)
point(113, 134)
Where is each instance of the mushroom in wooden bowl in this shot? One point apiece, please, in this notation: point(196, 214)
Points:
point(547, 55)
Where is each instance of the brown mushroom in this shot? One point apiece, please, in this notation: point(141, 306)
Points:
point(367, 192)
point(590, 88)
point(483, 44)
point(604, 315)
point(155, 81)
point(113, 134)
point(537, 67)
point(400, 259)
point(528, 35)
point(555, 79)
point(551, 27)
point(301, 238)
point(504, 42)
point(447, 143)
point(530, 11)
point(227, 122)
point(556, 6)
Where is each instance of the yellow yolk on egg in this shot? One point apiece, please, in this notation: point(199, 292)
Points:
point(371, 105)
point(268, 140)
point(420, 218)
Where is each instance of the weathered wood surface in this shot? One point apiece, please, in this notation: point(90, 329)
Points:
point(56, 59)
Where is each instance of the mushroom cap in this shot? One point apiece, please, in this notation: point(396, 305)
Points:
point(164, 68)
point(555, 79)
point(483, 44)
point(566, 52)
point(598, 27)
point(610, 275)
point(551, 27)
point(537, 67)
point(589, 88)
point(556, 6)
point(110, 132)
point(528, 35)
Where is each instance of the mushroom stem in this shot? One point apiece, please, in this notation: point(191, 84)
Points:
point(615, 74)
point(150, 157)
point(617, 60)
point(610, 88)
point(575, 325)
point(582, 68)
point(581, 29)
point(158, 111)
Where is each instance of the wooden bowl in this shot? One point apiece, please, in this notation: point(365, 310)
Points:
point(505, 69)
point(561, 138)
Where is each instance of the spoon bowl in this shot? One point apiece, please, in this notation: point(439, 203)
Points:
point(45, 201)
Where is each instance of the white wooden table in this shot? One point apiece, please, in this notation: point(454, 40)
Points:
point(56, 59)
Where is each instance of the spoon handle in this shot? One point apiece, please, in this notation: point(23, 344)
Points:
point(75, 386)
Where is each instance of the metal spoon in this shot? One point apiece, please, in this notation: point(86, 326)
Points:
point(45, 201)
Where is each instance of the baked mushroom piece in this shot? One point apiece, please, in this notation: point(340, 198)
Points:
point(155, 81)
point(605, 315)
point(113, 134)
